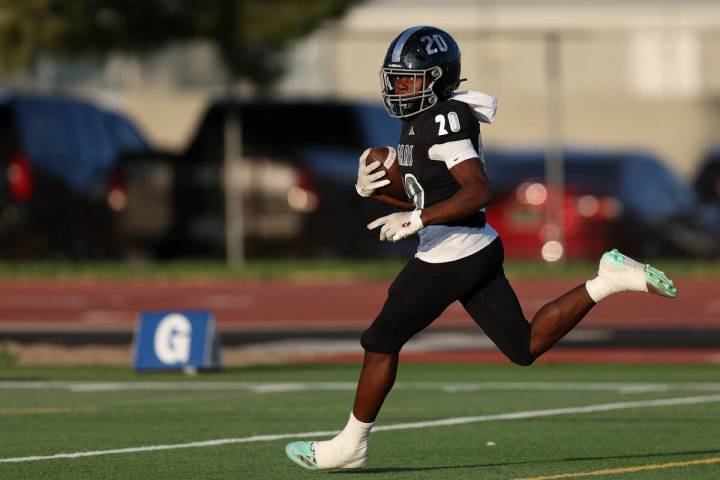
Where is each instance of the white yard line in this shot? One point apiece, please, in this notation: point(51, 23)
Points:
point(279, 387)
point(668, 402)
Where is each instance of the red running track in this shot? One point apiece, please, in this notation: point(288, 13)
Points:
point(336, 304)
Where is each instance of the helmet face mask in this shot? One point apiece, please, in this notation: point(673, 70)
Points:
point(405, 104)
point(428, 59)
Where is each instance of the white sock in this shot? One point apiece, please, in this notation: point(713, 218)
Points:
point(599, 289)
point(346, 450)
point(613, 279)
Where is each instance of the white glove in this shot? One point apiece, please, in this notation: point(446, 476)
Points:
point(397, 226)
point(367, 181)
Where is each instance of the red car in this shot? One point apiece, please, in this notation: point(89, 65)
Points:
point(623, 199)
point(521, 215)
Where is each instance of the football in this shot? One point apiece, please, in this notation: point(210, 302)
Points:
point(387, 157)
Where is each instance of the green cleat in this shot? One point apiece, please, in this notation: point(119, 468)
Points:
point(302, 453)
point(657, 282)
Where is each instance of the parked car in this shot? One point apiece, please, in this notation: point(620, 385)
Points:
point(298, 168)
point(60, 189)
point(624, 199)
point(707, 181)
point(299, 163)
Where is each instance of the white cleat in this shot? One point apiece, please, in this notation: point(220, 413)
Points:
point(305, 454)
point(627, 274)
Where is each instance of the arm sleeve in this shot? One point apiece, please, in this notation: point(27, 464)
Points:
point(453, 153)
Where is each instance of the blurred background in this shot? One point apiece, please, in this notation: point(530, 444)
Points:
point(190, 157)
point(135, 130)
point(172, 155)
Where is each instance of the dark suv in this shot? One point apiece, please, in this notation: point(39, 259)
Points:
point(299, 162)
point(707, 181)
point(60, 188)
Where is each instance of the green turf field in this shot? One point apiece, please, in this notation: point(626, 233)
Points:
point(48, 411)
point(314, 268)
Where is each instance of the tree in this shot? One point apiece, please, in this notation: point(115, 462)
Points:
point(250, 34)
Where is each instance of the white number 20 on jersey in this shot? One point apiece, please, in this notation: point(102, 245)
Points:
point(452, 120)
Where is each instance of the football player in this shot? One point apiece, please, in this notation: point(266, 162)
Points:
point(460, 256)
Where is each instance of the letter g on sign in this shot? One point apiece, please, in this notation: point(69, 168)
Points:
point(172, 339)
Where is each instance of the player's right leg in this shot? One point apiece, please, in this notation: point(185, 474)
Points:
point(495, 308)
point(616, 273)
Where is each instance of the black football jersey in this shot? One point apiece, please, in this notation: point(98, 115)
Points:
point(427, 181)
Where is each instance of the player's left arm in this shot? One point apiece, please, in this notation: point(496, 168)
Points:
point(458, 144)
point(475, 192)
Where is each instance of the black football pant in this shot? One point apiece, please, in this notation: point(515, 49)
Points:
point(422, 291)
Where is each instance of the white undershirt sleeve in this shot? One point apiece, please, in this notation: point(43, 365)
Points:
point(453, 153)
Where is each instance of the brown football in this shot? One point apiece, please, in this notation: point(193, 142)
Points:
point(387, 156)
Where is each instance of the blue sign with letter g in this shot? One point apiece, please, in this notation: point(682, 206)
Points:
point(176, 341)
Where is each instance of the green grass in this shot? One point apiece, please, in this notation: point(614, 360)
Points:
point(52, 420)
point(201, 269)
point(269, 269)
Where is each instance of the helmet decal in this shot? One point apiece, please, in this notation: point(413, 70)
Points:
point(397, 51)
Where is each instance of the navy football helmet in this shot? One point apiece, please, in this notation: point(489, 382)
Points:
point(431, 59)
